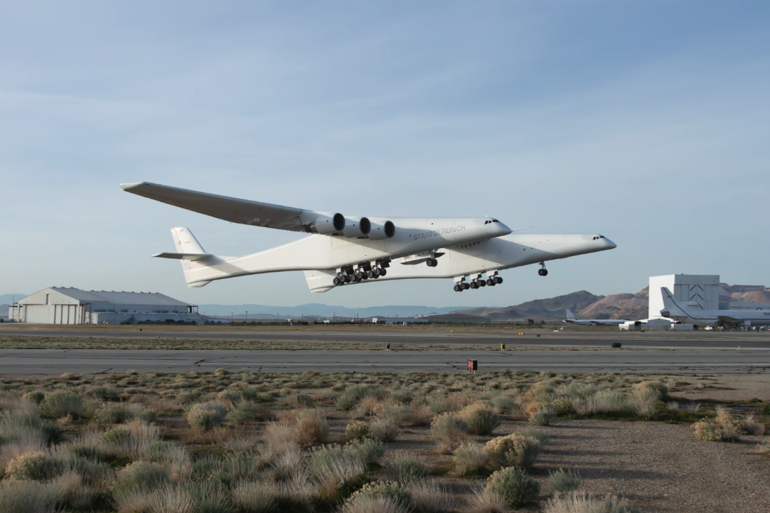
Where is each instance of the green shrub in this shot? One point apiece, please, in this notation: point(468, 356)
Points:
point(357, 429)
point(111, 413)
point(34, 397)
point(448, 430)
point(406, 469)
point(714, 430)
point(562, 481)
point(103, 393)
point(34, 466)
point(542, 417)
point(512, 450)
point(481, 419)
point(245, 412)
point(384, 430)
point(254, 497)
point(535, 434)
point(504, 403)
point(381, 490)
point(312, 428)
point(206, 416)
point(139, 476)
point(658, 389)
point(513, 486)
point(26, 497)
point(229, 395)
point(210, 497)
point(469, 458)
point(581, 502)
point(367, 450)
point(62, 403)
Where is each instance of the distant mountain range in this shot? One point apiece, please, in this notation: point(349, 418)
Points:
point(7, 299)
point(582, 303)
point(615, 306)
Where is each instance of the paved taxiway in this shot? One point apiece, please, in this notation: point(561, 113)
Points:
point(51, 361)
point(692, 340)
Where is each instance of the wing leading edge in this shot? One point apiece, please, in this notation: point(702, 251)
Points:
point(235, 210)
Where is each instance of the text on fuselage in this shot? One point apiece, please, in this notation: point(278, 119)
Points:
point(438, 233)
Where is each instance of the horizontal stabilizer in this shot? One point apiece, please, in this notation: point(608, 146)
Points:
point(184, 256)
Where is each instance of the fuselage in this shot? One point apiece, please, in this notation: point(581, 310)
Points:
point(729, 317)
point(413, 236)
point(486, 256)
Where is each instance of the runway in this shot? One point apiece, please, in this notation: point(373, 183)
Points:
point(49, 361)
point(652, 340)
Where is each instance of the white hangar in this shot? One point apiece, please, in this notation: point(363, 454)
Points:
point(66, 305)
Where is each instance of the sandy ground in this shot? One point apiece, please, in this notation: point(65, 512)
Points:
point(659, 467)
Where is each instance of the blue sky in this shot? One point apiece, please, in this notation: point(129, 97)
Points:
point(645, 121)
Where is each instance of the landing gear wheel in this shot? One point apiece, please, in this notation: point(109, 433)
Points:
point(482, 283)
point(365, 277)
point(491, 282)
point(359, 275)
point(498, 280)
point(543, 272)
point(432, 262)
point(466, 286)
point(474, 284)
point(370, 274)
point(336, 281)
point(457, 288)
point(347, 278)
point(376, 273)
point(383, 272)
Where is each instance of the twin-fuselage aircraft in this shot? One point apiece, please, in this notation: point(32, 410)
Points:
point(344, 250)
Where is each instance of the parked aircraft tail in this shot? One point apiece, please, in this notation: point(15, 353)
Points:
point(670, 307)
point(570, 315)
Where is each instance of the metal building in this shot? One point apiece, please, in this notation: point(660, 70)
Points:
point(65, 305)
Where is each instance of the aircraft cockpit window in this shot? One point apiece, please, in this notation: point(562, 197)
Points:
point(495, 221)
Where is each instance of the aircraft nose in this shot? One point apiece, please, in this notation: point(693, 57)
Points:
point(610, 244)
point(504, 230)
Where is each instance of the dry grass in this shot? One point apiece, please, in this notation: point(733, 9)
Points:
point(206, 441)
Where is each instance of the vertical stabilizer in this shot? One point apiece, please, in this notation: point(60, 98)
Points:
point(570, 315)
point(670, 307)
point(185, 242)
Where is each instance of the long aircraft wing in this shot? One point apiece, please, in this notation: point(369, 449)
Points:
point(235, 210)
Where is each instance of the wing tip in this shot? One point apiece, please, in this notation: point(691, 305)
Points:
point(131, 185)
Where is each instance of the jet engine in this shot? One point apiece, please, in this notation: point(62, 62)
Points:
point(357, 227)
point(327, 224)
point(382, 229)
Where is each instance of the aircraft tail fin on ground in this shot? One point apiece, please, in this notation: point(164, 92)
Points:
point(190, 253)
point(570, 315)
point(670, 307)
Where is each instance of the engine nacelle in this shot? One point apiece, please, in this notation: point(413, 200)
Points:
point(327, 224)
point(382, 229)
point(357, 227)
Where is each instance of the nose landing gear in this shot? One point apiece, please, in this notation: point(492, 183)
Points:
point(542, 271)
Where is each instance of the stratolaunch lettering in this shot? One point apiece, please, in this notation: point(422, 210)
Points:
point(443, 231)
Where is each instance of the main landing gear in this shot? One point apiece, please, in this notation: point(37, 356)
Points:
point(542, 271)
point(361, 272)
point(477, 282)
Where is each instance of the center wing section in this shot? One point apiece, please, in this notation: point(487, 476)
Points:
point(241, 211)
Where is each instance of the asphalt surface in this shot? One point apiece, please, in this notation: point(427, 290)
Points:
point(691, 340)
point(52, 361)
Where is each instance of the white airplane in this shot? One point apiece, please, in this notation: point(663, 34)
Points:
point(674, 310)
point(346, 250)
point(592, 322)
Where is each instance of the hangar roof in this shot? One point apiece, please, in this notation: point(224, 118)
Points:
point(119, 298)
